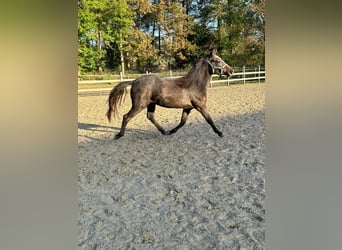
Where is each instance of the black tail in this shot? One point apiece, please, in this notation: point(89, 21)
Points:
point(115, 98)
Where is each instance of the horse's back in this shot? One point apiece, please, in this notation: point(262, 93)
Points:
point(147, 79)
point(146, 85)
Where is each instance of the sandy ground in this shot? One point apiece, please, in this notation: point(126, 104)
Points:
point(189, 190)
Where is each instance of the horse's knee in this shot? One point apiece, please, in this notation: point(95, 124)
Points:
point(125, 118)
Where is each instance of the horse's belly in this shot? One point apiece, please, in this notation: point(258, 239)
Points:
point(173, 103)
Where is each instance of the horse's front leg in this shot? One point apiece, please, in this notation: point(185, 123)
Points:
point(203, 110)
point(185, 114)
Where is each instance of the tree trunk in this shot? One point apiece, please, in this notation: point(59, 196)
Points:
point(99, 40)
point(122, 59)
point(99, 47)
point(159, 39)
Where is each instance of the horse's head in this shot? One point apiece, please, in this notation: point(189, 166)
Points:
point(217, 65)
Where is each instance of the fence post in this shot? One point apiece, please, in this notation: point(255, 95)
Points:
point(259, 75)
point(121, 76)
point(244, 74)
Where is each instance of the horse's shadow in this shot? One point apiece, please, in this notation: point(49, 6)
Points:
point(96, 127)
point(102, 128)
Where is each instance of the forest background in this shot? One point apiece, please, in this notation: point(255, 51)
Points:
point(157, 35)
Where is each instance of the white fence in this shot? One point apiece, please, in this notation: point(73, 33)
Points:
point(250, 75)
point(241, 75)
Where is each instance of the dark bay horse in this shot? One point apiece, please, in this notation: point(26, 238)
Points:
point(187, 92)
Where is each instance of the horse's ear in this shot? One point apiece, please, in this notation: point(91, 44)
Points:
point(212, 52)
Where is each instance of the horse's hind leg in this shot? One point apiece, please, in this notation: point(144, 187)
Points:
point(150, 115)
point(185, 114)
point(126, 118)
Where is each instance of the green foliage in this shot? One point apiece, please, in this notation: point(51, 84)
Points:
point(87, 59)
point(175, 26)
point(140, 50)
point(101, 23)
point(143, 34)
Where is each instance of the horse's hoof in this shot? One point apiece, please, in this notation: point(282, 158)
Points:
point(117, 136)
point(164, 132)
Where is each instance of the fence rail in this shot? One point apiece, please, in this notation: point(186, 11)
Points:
point(240, 75)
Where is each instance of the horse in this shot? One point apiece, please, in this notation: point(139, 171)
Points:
point(187, 92)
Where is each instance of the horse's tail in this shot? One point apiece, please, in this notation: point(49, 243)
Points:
point(115, 98)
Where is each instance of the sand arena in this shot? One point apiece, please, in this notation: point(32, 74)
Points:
point(189, 190)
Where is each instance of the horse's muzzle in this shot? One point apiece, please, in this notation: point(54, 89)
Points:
point(229, 72)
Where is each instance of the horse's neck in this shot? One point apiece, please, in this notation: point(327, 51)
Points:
point(199, 75)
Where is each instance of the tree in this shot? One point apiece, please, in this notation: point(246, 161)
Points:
point(173, 27)
point(119, 27)
point(138, 34)
point(140, 50)
point(88, 53)
point(236, 28)
point(102, 23)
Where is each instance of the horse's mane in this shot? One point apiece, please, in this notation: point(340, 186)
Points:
point(195, 75)
point(196, 67)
